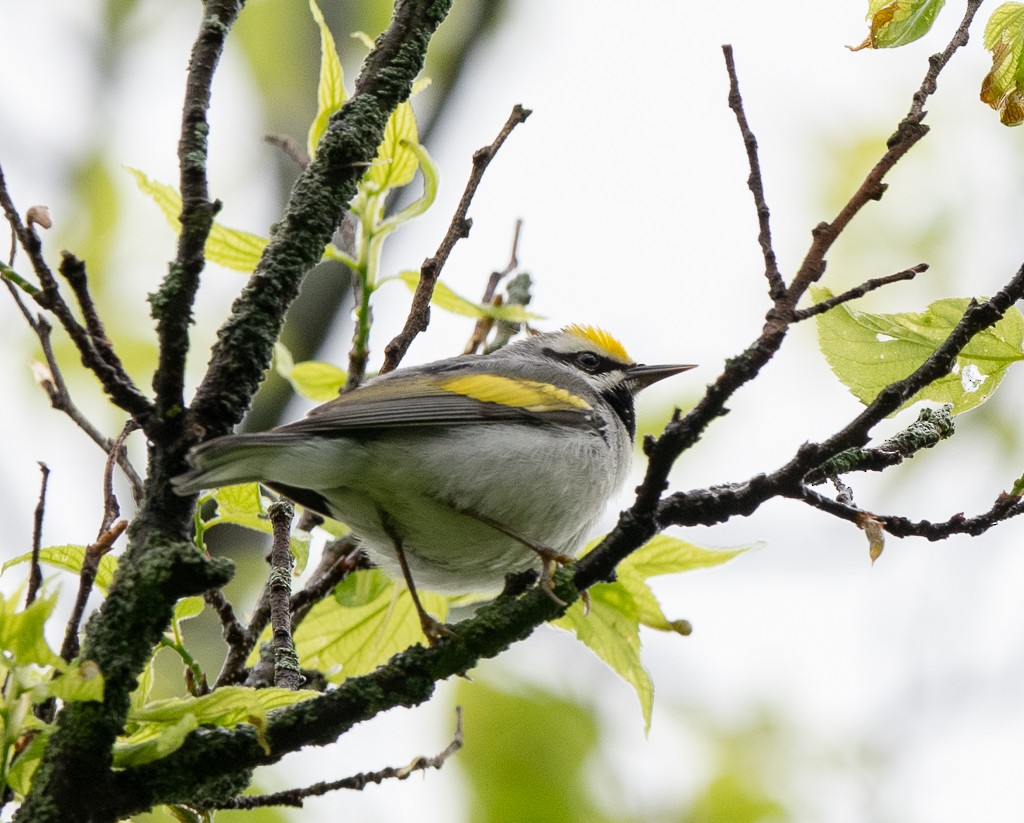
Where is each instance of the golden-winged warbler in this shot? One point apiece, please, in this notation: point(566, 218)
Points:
point(458, 472)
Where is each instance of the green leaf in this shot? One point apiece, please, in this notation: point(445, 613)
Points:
point(330, 92)
point(162, 726)
point(22, 633)
point(82, 681)
point(345, 641)
point(445, 298)
point(234, 249)
point(395, 164)
point(317, 380)
point(241, 505)
point(612, 631)
point(69, 558)
point(867, 351)
point(19, 775)
point(188, 607)
point(895, 23)
point(153, 741)
point(1003, 86)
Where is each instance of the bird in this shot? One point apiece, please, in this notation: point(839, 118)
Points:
point(456, 473)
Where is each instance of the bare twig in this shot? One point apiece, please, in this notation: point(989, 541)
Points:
point(86, 578)
point(111, 374)
point(1005, 507)
point(57, 390)
point(430, 271)
point(650, 513)
point(111, 508)
point(484, 324)
point(340, 558)
point(776, 286)
point(858, 292)
point(910, 130)
point(296, 797)
point(35, 576)
point(286, 661)
point(290, 147)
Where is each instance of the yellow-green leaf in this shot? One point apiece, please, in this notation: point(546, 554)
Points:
point(868, 351)
point(153, 741)
point(330, 91)
point(1003, 86)
point(22, 632)
point(395, 163)
point(242, 506)
point(234, 249)
point(19, 774)
point(188, 607)
point(82, 681)
point(317, 380)
point(69, 558)
point(612, 631)
point(345, 641)
point(898, 22)
point(445, 298)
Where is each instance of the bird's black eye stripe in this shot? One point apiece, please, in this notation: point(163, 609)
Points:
point(586, 360)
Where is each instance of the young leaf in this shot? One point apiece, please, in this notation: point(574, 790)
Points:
point(69, 558)
point(867, 351)
point(22, 633)
point(317, 380)
point(231, 248)
point(395, 164)
point(445, 298)
point(348, 640)
point(330, 92)
point(612, 632)
point(898, 22)
point(618, 609)
point(81, 681)
point(1003, 86)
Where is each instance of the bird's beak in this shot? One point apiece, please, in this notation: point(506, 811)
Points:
point(640, 377)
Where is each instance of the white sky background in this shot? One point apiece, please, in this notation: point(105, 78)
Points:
point(630, 176)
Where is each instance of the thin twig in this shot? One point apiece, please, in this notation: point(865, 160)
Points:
point(290, 147)
point(86, 578)
point(858, 292)
point(35, 576)
point(1005, 507)
point(910, 130)
point(111, 508)
point(111, 374)
point(286, 661)
point(650, 512)
point(340, 558)
point(296, 797)
point(776, 285)
point(52, 382)
point(484, 324)
point(430, 271)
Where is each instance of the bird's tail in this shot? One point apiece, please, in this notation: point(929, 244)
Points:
point(225, 461)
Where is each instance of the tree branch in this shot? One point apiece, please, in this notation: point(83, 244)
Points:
point(858, 292)
point(172, 303)
point(319, 199)
point(776, 285)
point(430, 271)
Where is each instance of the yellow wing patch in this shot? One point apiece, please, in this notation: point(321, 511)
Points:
point(601, 339)
point(508, 391)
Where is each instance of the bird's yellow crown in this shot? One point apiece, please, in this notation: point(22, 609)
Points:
point(600, 338)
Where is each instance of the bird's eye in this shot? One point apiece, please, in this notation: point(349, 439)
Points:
point(587, 360)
